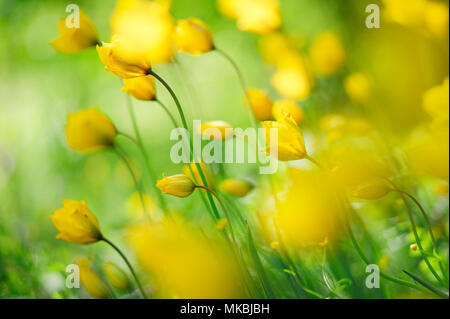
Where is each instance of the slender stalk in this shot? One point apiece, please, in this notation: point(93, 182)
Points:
point(129, 266)
point(312, 160)
point(427, 285)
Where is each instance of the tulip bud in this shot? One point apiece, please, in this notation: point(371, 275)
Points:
point(176, 185)
point(91, 282)
point(193, 36)
point(142, 88)
point(116, 276)
point(288, 106)
point(236, 187)
point(372, 190)
point(260, 104)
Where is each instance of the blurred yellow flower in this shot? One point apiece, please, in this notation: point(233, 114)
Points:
point(134, 205)
point(75, 39)
point(145, 29)
point(185, 264)
point(288, 106)
point(292, 82)
point(142, 88)
point(436, 18)
point(116, 276)
point(372, 190)
point(274, 47)
point(176, 185)
point(221, 224)
point(75, 223)
point(236, 187)
point(274, 244)
point(91, 282)
point(290, 144)
point(410, 15)
point(123, 65)
point(442, 189)
point(261, 104)
point(228, 8)
point(193, 36)
point(436, 102)
point(308, 210)
point(327, 54)
point(197, 177)
point(89, 130)
point(225, 129)
point(358, 87)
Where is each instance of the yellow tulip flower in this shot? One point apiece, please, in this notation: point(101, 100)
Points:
point(258, 16)
point(290, 143)
point(91, 282)
point(275, 47)
point(327, 54)
point(72, 40)
point(358, 87)
point(261, 104)
point(236, 187)
point(372, 190)
point(76, 224)
point(193, 36)
point(116, 276)
point(225, 129)
point(176, 185)
point(292, 82)
point(89, 130)
point(142, 88)
point(288, 106)
point(124, 65)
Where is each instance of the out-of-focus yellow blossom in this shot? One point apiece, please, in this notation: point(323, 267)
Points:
point(91, 282)
point(358, 87)
point(72, 40)
point(290, 144)
point(442, 189)
point(142, 88)
point(197, 177)
point(372, 190)
point(193, 36)
point(410, 15)
point(116, 276)
point(337, 126)
point(176, 185)
point(327, 54)
point(413, 247)
point(308, 210)
point(221, 224)
point(225, 129)
point(288, 106)
point(145, 29)
point(436, 102)
point(427, 151)
point(134, 205)
point(75, 223)
point(257, 16)
point(274, 244)
point(236, 187)
point(185, 264)
point(274, 47)
point(89, 130)
point(292, 82)
point(436, 18)
point(123, 65)
point(261, 104)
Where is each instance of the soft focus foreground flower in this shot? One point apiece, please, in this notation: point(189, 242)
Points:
point(274, 47)
point(372, 190)
point(197, 177)
point(257, 16)
point(145, 29)
point(176, 185)
point(358, 87)
point(213, 127)
point(236, 187)
point(185, 264)
point(116, 276)
point(292, 81)
point(307, 212)
point(123, 64)
point(436, 18)
point(134, 205)
point(288, 106)
point(327, 54)
point(72, 40)
point(338, 126)
point(261, 104)
point(436, 102)
point(75, 223)
point(290, 144)
point(91, 282)
point(142, 88)
point(89, 130)
point(193, 36)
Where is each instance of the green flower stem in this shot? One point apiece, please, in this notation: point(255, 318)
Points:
point(141, 289)
point(143, 151)
point(427, 285)
point(172, 119)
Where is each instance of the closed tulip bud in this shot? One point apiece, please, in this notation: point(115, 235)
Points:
point(260, 104)
point(89, 130)
point(288, 106)
point(176, 185)
point(193, 36)
point(413, 247)
point(91, 282)
point(327, 54)
point(142, 88)
point(76, 38)
point(290, 144)
point(372, 190)
point(121, 64)
point(236, 187)
point(75, 223)
point(220, 130)
point(116, 276)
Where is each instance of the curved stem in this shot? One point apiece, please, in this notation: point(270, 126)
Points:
point(129, 266)
point(172, 119)
point(312, 160)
